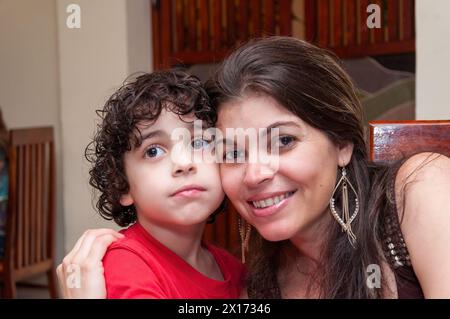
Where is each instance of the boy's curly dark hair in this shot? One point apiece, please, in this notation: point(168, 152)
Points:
point(138, 100)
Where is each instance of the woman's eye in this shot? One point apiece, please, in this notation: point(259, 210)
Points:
point(200, 143)
point(154, 151)
point(285, 140)
point(234, 155)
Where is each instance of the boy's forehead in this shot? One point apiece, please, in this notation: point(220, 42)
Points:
point(167, 121)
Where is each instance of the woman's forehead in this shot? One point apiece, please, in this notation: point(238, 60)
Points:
point(261, 111)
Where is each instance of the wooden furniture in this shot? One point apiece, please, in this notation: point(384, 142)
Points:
point(204, 31)
point(30, 232)
point(341, 26)
point(392, 140)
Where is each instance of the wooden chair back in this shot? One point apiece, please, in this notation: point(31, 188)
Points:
point(393, 140)
point(30, 232)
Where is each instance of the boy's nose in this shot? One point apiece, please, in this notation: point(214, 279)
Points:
point(184, 169)
point(183, 165)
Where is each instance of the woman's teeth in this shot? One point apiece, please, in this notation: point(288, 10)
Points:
point(271, 201)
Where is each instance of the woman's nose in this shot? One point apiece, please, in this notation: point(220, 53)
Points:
point(257, 173)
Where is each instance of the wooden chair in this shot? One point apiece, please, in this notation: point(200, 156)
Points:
point(30, 226)
point(393, 140)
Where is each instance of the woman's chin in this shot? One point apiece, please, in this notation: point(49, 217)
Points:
point(272, 234)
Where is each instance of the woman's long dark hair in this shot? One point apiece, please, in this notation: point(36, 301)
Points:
point(310, 83)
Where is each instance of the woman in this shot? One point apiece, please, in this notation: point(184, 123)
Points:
point(326, 219)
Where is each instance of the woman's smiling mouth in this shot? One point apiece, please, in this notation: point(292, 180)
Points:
point(269, 203)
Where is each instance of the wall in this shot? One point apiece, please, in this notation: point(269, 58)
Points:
point(113, 42)
point(433, 64)
point(29, 80)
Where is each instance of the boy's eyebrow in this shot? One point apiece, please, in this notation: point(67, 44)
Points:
point(160, 133)
point(148, 135)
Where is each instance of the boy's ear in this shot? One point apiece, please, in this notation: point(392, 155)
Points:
point(126, 200)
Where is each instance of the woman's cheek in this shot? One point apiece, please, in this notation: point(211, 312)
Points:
point(298, 169)
point(230, 181)
point(316, 177)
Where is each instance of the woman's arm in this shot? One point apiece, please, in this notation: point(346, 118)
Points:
point(80, 275)
point(423, 200)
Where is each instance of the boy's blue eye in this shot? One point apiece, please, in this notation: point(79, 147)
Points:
point(200, 143)
point(154, 151)
point(234, 155)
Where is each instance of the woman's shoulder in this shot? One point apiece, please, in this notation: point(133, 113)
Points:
point(424, 163)
point(422, 190)
point(419, 176)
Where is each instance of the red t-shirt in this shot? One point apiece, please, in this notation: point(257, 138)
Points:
point(139, 266)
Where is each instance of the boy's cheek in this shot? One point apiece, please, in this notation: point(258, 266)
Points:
point(207, 157)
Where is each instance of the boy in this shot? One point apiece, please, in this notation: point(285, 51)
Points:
point(145, 181)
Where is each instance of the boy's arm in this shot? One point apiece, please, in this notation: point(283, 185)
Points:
point(128, 276)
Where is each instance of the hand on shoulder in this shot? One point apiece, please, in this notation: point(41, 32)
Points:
point(80, 275)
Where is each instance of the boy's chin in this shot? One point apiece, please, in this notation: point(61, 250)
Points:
point(191, 217)
point(188, 223)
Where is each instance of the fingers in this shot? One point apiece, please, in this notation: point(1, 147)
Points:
point(99, 248)
point(61, 270)
point(85, 243)
point(90, 232)
point(97, 240)
point(61, 281)
point(90, 267)
point(68, 258)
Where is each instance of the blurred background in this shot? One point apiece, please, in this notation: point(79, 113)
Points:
point(55, 75)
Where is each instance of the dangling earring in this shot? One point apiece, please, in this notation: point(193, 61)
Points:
point(346, 220)
point(244, 232)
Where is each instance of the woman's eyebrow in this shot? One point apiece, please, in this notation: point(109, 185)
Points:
point(265, 131)
point(282, 123)
point(277, 125)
